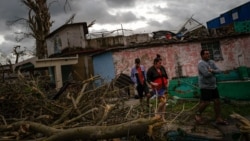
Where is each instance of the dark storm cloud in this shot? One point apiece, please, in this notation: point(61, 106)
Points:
point(97, 10)
point(10, 42)
point(114, 12)
point(11, 10)
point(124, 17)
point(92, 10)
point(178, 12)
point(57, 8)
point(120, 3)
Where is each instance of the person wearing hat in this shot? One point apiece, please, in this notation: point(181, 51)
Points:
point(138, 76)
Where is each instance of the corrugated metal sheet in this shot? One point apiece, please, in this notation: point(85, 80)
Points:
point(240, 13)
point(228, 18)
point(243, 12)
point(214, 23)
point(123, 81)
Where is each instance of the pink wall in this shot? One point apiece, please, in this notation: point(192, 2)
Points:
point(188, 55)
point(236, 52)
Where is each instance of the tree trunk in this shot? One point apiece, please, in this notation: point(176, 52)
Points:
point(135, 127)
point(39, 23)
point(41, 49)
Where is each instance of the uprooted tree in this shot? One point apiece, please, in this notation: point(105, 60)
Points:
point(29, 111)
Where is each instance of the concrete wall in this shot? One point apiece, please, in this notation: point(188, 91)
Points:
point(188, 55)
point(70, 37)
point(115, 41)
point(84, 68)
point(137, 38)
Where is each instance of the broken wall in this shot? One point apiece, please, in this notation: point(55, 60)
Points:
point(235, 52)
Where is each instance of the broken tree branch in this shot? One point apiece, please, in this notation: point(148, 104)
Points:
point(136, 127)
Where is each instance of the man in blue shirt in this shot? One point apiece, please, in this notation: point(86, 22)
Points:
point(138, 76)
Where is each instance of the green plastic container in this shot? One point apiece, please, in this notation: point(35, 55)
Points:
point(184, 87)
point(233, 85)
point(231, 75)
point(243, 73)
point(238, 90)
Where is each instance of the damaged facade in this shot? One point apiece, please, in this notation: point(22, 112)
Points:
point(229, 53)
point(180, 53)
point(112, 55)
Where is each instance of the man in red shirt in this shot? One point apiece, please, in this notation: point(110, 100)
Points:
point(138, 76)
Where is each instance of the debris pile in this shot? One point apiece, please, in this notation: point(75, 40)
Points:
point(29, 111)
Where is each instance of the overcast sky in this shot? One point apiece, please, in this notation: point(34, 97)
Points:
point(141, 16)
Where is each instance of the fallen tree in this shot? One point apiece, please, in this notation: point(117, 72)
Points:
point(28, 112)
point(135, 127)
point(243, 125)
point(83, 111)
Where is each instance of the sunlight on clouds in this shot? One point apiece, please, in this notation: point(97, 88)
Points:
point(135, 25)
point(147, 11)
point(150, 12)
point(129, 26)
point(1, 39)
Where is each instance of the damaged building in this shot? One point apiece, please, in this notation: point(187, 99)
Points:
point(72, 51)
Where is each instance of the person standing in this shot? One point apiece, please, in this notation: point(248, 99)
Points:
point(138, 76)
point(208, 88)
point(158, 79)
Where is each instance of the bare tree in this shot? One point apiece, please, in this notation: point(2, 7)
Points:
point(17, 53)
point(39, 23)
